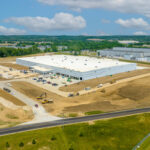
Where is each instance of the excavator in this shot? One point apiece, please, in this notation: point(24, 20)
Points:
point(43, 99)
point(42, 96)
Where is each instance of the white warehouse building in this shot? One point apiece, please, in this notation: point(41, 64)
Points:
point(80, 67)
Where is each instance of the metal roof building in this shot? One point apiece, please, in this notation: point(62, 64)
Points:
point(139, 54)
point(80, 67)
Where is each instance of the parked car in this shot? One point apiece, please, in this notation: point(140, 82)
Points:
point(48, 82)
point(36, 105)
point(54, 84)
point(7, 90)
point(100, 85)
point(70, 95)
point(88, 88)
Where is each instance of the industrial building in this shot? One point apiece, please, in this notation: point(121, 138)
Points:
point(138, 54)
point(79, 67)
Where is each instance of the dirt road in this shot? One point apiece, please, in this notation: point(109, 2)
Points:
point(40, 115)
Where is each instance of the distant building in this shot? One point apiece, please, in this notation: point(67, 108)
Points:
point(60, 48)
point(128, 42)
point(138, 54)
point(15, 46)
point(85, 50)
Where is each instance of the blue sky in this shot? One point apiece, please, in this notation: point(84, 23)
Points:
point(69, 17)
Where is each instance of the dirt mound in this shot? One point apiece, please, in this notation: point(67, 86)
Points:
point(11, 98)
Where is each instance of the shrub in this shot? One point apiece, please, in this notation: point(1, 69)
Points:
point(71, 148)
point(7, 145)
point(53, 138)
point(33, 141)
point(21, 144)
point(81, 134)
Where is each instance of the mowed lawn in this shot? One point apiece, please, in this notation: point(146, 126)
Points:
point(113, 134)
point(145, 145)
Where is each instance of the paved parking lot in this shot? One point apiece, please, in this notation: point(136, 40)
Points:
point(52, 83)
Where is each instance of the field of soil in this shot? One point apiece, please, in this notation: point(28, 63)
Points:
point(2, 79)
point(128, 95)
point(108, 79)
point(10, 117)
point(11, 98)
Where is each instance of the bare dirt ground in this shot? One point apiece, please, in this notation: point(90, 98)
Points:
point(10, 117)
point(11, 98)
point(95, 82)
point(2, 79)
point(133, 94)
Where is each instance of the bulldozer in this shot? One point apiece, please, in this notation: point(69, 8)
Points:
point(45, 101)
point(43, 95)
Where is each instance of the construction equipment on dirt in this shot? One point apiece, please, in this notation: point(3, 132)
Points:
point(42, 96)
point(70, 95)
point(47, 101)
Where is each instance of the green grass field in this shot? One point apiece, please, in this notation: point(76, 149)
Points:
point(93, 112)
point(145, 145)
point(114, 134)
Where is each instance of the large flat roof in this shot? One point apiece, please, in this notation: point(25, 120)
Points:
point(76, 63)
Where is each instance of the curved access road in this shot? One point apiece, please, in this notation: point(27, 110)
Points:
point(23, 128)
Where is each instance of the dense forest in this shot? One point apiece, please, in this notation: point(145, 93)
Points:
point(39, 38)
point(71, 43)
point(5, 52)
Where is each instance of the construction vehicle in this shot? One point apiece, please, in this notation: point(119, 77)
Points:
point(70, 95)
point(42, 96)
point(45, 101)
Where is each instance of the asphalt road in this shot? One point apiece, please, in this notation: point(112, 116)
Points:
point(23, 128)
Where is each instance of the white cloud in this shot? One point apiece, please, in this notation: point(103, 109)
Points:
point(125, 6)
point(140, 33)
point(11, 31)
point(61, 21)
point(138, 23)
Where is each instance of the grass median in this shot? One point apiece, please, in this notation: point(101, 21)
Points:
point(113, 134)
